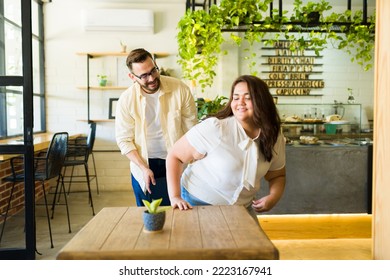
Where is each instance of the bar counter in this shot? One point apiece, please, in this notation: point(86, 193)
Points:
point(324, 179)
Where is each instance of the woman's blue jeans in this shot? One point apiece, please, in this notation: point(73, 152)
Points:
point(195, 201)
point(191, 199)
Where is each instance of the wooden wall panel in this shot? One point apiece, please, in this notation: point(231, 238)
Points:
point(381, 160)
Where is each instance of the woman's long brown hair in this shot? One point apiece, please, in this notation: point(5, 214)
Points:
point(265, 113)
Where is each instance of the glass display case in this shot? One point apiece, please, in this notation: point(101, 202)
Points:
point(323, 121)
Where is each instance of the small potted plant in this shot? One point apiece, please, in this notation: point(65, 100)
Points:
point(123, 46)
point(154, 215)
point(102, 80)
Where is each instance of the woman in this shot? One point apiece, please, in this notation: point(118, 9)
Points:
point(229, 153)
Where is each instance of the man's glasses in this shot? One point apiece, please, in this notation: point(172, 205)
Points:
point(145, 77)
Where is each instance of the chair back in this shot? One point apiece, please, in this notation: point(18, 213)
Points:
point(91, 136)
point(56, 153)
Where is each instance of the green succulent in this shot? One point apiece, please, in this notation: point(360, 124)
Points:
point(154, 206)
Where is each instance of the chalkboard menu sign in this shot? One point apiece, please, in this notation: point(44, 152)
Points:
point(289, 71)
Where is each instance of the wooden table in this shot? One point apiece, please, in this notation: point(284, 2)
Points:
point(205, 232)
point(41, 142)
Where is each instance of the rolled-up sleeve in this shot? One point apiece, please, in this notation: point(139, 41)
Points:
point(189, 115)
point(279, 157)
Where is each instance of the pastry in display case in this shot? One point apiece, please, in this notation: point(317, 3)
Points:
point(309, 140)
point(320, 122)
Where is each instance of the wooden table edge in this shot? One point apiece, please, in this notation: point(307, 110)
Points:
point(187, 254)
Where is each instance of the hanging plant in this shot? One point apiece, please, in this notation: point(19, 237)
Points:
point(358, 39)
point(311, 14)
point(200, 33)
point(310, 27)
point(200, 38)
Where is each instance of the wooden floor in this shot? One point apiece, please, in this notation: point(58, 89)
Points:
point(320, 237)
point(297, 237)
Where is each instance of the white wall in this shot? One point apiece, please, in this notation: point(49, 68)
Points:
point(65, 71)
point(65, 36)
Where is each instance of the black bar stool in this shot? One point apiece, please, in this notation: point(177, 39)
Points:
point(46, 167)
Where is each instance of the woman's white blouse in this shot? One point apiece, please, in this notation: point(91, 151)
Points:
point(232, 168)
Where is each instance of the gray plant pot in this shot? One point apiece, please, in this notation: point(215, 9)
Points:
point(153, 222)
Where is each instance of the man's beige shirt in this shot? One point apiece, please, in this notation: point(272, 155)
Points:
point(177, 116)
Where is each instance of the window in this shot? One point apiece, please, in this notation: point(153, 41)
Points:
point(11, 63)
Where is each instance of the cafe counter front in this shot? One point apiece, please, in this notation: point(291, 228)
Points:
point(324, 179)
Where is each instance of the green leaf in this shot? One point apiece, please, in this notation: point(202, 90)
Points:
point(154, 206)
point(163, 208)
point(147, 205)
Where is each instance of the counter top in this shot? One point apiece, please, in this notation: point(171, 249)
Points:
point(41, 142)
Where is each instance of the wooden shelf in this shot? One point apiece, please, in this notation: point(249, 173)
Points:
point(100, 54)
point(88, 88)
point(104, 88)
point(97, 121)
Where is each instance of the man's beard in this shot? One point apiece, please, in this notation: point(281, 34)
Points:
point(145, 87)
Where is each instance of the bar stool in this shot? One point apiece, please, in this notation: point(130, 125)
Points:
point(78, 155)
point(45, 168)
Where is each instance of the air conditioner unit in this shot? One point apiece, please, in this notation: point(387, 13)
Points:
point(119, 20)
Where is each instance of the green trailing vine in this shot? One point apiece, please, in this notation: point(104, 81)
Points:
point(200, 40)
point(358, 39)
point(200, 33)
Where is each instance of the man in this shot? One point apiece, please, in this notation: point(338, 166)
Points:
point(151, 116)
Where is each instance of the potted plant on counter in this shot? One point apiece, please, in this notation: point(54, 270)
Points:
point(208, 107)
point(154, 215)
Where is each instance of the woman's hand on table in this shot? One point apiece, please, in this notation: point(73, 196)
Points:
point(178, 202)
